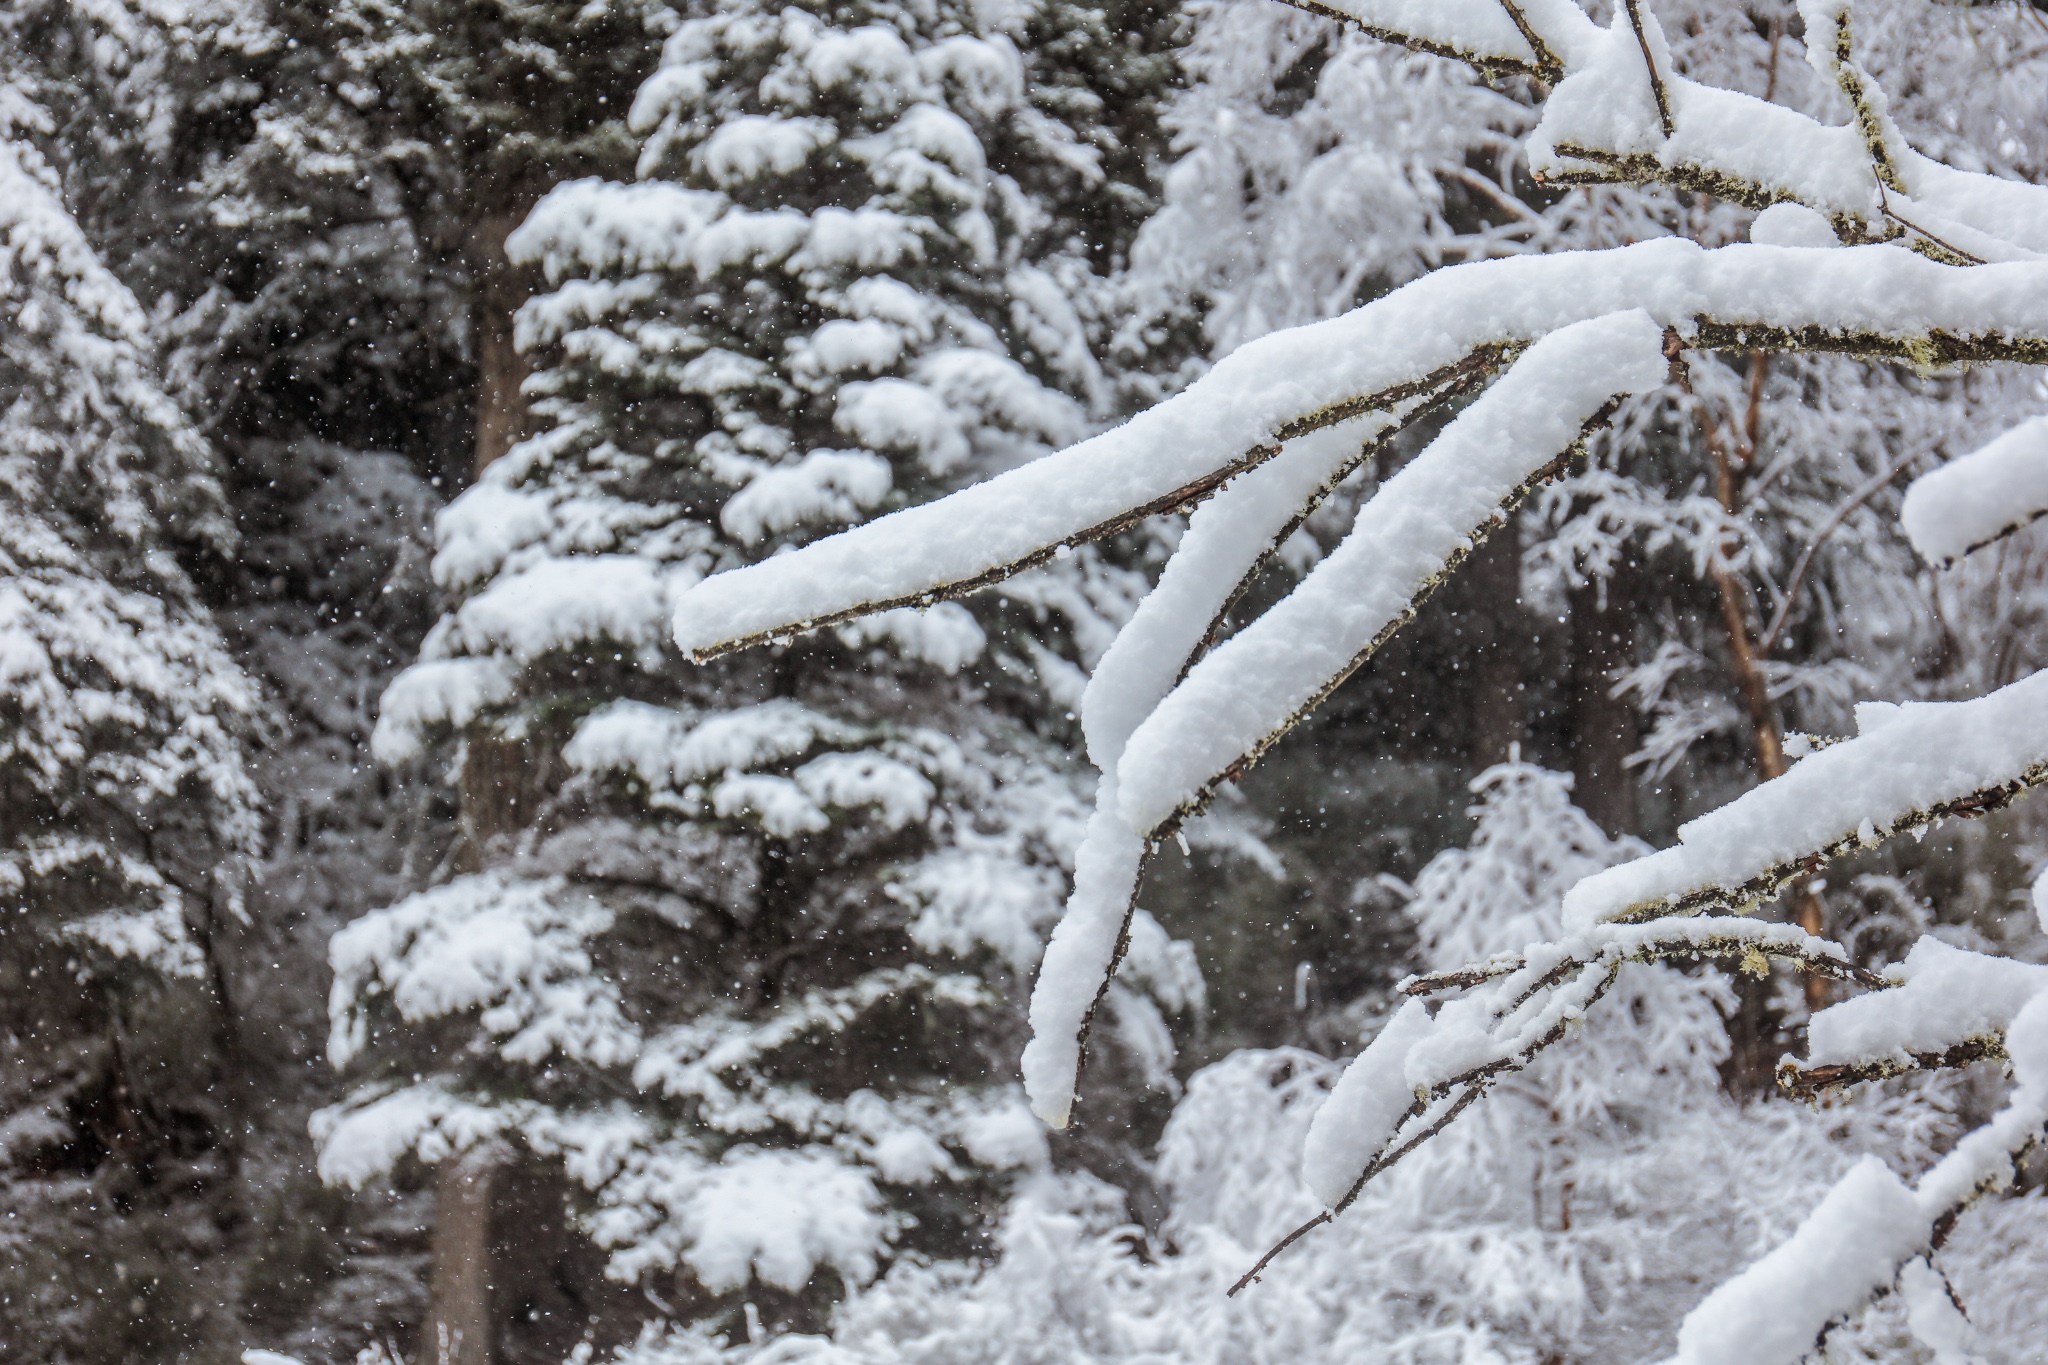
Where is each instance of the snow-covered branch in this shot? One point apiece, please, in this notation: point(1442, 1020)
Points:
point(1422, 1070)
point(1951, 269)
point(1946, 1008)
point(1872, 1226)
point(1866, 301)
point(1621, 114)
point(1980, 498)
point(1912, 764)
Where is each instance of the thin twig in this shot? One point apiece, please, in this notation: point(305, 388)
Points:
point(1841, 514)
point(1806, 1082)
point(1285, 1242)
point(1635, 19)
point(1884, 206)
point(1546, 60)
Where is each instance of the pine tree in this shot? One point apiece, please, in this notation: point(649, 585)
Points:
point(129, 818)
point(757, 933)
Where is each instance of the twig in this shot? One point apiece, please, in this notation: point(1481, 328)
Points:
point(1884, 206)
point(1472, 975)
point(1547, 64)
point(1850, 79)
point(1841, 514)
point(1635, 19)
point(1285, 1242)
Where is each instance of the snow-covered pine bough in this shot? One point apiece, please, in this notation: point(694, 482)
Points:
point(1863, 246)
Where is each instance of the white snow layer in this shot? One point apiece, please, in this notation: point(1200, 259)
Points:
point(1226, 538)
point(1947, 996)
point(1868, 1230)
point(778, 1215)
point(1078, 959)
point(1847, 1249)
point(437, 692)
point(1974, 500)
point(1369, 1098)
point(1907, 760)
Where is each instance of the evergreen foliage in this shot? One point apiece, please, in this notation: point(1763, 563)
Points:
point(756, 935)
point(128, 819)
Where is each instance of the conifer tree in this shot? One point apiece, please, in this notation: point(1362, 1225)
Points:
point(128, 818)
point(742, 948)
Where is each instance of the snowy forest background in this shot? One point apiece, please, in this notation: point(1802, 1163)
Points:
point(410, 955)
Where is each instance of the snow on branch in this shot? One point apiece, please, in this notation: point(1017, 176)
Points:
point(1163, 754)
point(1872, 1229)
point(1171, 712)
point(1239, 699)
point(1984, 496)
point(1947, 1007)
point(1236, 701)
point(1867, 301)
point(1620, 113)
point(1911, 764)
point(1422, 1070)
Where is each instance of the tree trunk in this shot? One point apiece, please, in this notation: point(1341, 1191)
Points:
point(1604, 727)
point(498, 288)
point(460, 1321)
point(1497, 639)
point(1732, 470)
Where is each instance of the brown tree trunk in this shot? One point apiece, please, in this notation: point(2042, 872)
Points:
point(1497, 639)
point(498, 288)
point(501, 789)
point(461, 1324)
point(1604, 727)
point(1752, 1034)
point(1731, 471)
point(502, 785)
